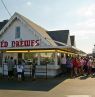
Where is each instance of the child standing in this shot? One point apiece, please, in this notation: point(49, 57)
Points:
point(19, 71)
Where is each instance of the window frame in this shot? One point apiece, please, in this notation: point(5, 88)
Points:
point(17, 32)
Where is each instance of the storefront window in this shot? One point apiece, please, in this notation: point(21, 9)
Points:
point(47, 58)
point(29, 57)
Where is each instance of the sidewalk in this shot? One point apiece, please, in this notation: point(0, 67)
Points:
point(55, 87)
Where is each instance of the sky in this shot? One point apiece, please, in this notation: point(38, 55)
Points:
point(78, 16)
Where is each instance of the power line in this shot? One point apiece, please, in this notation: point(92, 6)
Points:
point(6, 8)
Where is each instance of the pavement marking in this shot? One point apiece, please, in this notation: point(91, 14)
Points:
point(78, 96)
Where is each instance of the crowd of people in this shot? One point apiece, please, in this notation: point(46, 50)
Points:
point(17, 69)
point(77, 66)
point(14, 69)
point(70, 66)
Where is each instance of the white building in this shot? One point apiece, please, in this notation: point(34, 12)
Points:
point(21, 38)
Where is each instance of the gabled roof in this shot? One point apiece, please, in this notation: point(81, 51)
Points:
point(59, 35)
point(72, 38)
point(3, 23)
point(34, 26)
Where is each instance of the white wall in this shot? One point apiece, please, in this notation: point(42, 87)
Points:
point(27, 33)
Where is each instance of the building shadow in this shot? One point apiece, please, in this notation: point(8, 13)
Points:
point(29, 85)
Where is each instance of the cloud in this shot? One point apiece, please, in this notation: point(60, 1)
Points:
point(86, 19)
point(85, 33)
point(84, 28)
point(29, 3)
point(87, 26)
point(87, 11)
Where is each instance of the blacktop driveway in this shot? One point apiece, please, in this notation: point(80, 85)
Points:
point(53, 87)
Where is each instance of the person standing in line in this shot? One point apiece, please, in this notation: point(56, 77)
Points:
point(79, 66)
point(89, 64)
point(75, 66)
point(19, 71)
point(23, 69)
point(63, 64)
point(82, 65)
point(93, 68)
point(85, 67)
point(10, 67)
point(69, 67)
point(33, 70)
